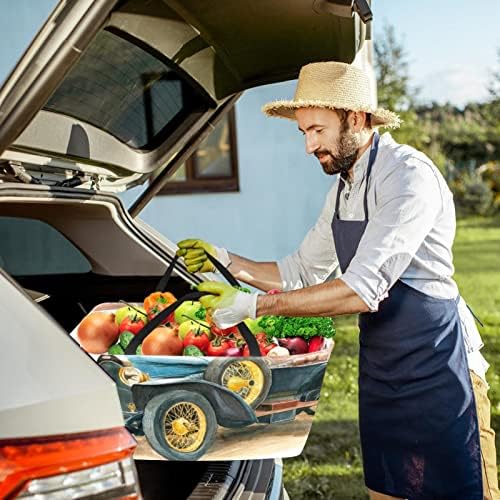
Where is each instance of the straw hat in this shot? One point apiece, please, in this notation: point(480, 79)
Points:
point(333, 85)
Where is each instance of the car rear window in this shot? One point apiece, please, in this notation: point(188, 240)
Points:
point(128, 91)
point(32, 247)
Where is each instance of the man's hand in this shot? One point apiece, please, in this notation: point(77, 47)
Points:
point(229, 306)
point(194, 252)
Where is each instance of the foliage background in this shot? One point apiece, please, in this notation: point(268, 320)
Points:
point(463, 143)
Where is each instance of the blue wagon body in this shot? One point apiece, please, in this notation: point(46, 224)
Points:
point(233, 393)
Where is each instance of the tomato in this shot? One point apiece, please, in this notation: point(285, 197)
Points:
point(264, 345)
point(215, 329)
point(157, 302)
point(236, 335)
point(261, 337)
point(223, 332)
point(197, 338)
point(219, 346)
point(246, 351)
point(128, 324)
point(264, 349)
point(237, 341)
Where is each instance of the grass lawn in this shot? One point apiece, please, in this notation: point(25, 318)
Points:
point(330, 465)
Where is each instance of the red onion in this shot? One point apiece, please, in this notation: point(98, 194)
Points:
point(296, 345)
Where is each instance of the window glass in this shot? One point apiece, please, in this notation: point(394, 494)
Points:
point(180, 175)
point(32, 247)
point(213, 166)
point(213, 157)
point(125, 90)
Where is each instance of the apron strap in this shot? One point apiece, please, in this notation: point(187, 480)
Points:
point(339, 191)
point(371, 161)
point(474, 315)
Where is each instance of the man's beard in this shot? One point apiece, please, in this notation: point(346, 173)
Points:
point(347, 146)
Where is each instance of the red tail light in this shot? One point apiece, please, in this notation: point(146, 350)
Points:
point(48, 465)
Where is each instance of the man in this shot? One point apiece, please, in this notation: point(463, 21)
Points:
point(388, 225)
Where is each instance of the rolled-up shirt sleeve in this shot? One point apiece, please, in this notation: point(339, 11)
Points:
point(408, 202)
point(315, 260)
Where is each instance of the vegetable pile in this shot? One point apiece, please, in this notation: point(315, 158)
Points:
point(190, 331)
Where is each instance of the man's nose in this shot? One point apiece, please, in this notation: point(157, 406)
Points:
point(311, 144)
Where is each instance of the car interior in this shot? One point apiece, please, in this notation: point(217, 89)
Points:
point(72, 263)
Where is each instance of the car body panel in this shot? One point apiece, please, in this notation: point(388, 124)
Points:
point(48, 382)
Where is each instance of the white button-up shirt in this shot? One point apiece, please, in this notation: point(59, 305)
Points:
point(409, 235)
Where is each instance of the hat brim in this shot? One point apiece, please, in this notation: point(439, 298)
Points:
point(286, 109)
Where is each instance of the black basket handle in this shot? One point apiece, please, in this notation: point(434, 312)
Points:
point(250, 339)
point(162, 284)
point(157, 320)
point(223, 270)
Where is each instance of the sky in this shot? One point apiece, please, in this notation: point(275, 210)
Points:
point(451, 44)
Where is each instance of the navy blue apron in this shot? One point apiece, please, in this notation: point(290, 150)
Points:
point(417, 416)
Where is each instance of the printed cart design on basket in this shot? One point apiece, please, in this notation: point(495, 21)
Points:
point(179, 406)
point(215, 408)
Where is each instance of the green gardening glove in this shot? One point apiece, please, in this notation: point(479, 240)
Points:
point(194, 252)
point(228, 305)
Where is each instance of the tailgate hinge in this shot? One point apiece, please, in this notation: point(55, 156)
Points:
point(16, 170)
point(346, 8)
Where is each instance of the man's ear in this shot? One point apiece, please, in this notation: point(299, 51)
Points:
point(358, 120)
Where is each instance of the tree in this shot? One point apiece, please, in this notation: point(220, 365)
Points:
point(396, 93)
point(494, 85)
point(391, 69)
point(490, 112)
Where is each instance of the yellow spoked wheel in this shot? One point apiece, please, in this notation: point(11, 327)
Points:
point(180, 424)
point(245, 378)
point(250, 379)
point(185, 427)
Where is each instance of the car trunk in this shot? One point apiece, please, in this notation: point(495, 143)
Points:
point(123, 261)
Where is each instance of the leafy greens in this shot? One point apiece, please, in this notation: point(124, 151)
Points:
point(287, 326)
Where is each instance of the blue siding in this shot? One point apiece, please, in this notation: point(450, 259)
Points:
point(282, 190)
